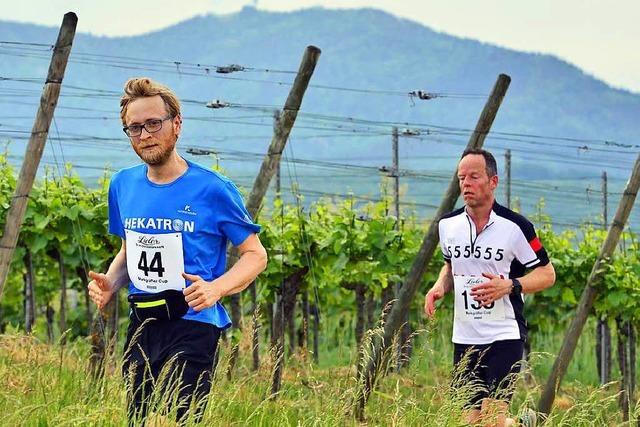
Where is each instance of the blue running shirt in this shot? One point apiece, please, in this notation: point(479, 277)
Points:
point(201, 208)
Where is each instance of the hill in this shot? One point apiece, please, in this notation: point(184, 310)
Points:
point(382, 56)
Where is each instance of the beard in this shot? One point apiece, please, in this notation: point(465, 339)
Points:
point(157, 155)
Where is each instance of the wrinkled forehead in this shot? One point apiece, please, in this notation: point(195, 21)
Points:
point(142, 109)
point(472, 163)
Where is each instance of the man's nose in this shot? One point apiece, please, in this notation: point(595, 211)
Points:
point(145, 133)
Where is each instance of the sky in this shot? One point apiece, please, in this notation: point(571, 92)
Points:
point(600, 37)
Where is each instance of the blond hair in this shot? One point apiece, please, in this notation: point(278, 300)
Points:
point(142, 87)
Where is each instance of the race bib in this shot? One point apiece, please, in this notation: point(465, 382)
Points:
point(155, 262)
point(468, 309)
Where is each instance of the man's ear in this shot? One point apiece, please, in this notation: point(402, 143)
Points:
point(177, 124)
point(494, 182)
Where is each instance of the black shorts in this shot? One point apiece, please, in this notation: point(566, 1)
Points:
point(486, 370)
point(188, 345)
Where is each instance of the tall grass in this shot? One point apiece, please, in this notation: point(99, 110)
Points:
point(49, 385)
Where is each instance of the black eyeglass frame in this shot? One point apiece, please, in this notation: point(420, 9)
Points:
point(144, 126)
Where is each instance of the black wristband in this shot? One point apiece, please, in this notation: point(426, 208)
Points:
point(516, 287)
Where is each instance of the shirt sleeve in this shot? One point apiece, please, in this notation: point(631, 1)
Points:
point(527, 248)
point(445, 253)
point(234, 221)
point(115, 220)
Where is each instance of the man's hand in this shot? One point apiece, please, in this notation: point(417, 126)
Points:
point(200, 294)
point(494, 289)
point(100, 289)
point(430, 299)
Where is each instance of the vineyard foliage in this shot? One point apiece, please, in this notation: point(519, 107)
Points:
point(343, 243)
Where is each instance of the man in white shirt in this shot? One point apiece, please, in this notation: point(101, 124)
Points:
point(487, 249)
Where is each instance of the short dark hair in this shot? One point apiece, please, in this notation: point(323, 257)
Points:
point(490, 161)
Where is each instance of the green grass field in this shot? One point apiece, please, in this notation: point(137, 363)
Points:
point(49, 385)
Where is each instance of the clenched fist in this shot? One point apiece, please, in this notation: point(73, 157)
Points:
point(430, 299)
point(200, 294)
point(100, 289)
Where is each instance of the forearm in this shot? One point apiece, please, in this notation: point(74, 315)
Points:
point(445, 278)
point(117, 272)
point(242, 273)
point(538, 279)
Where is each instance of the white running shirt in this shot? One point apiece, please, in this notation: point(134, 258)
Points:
point(507, 246)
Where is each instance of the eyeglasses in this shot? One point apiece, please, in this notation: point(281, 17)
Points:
point(151, 126)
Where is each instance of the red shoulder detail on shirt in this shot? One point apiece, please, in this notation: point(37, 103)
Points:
point(535, 244)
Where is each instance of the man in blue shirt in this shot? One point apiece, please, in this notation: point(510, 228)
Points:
point(175, 219)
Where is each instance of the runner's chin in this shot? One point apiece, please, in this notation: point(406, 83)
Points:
point(154, 155)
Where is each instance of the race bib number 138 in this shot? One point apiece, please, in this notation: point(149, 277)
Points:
point(468, 309)
point(155, 262)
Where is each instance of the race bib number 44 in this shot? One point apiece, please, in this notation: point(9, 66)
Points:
point(468, 309)
point(155, 262)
